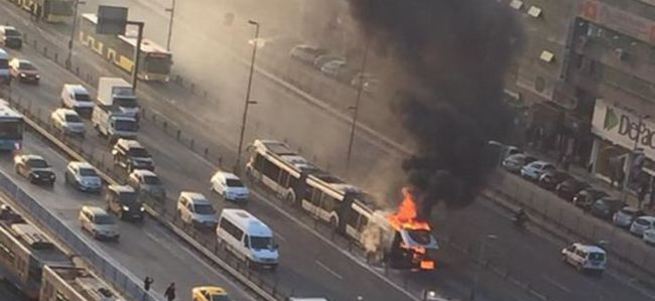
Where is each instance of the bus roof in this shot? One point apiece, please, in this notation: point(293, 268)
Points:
point(247, 222)
point(7, 112)
point(130, 38)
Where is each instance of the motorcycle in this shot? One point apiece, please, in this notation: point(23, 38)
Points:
point(520, 219)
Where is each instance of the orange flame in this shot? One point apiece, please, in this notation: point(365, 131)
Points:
point(405, 218)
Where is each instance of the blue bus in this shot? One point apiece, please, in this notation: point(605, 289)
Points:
point(11, 128)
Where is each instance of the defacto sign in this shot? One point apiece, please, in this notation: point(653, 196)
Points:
point(623, 127)
point(619, 20)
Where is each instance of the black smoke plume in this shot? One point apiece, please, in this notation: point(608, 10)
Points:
point(454, 54)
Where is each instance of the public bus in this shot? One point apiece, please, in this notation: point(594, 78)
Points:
point(24, 251)
point(154, 64)
point(11, 128)
point(53, 11)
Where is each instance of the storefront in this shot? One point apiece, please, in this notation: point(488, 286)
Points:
point(619, 132)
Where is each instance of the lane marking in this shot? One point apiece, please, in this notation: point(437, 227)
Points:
point(326, 268)
point(557, 284)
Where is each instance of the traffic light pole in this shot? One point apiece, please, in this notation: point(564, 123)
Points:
point(137, 52)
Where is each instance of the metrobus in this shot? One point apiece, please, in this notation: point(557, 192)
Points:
point(11, 127)
point(24, 251)
point(154, 64)
point(53, 11)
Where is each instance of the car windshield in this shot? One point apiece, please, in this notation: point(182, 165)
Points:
point(103, 219)
point(261, 242)
point(88, 172)
point(126, 102)
point(420, 236)
point(82, 97)
point(127, 197)
point(12, 33)
point(37, 163)
point(73, 118)
point(138, 152)
point(26, 66)
point(151, 180)
point(642, 221)
point(11, 129)
point(233, 183)
point(216, 297)
point(125, 125)
point(596, 256)
point(203, 209)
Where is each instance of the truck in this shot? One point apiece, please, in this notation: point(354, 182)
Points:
point(118, 95)
point(112, 124)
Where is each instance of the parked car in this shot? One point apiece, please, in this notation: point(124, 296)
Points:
point(641, 224)
point(10, 37)
point(549, 179)
point(229, 186)
point(147, 183)
point(514, 163)
point(209, 293)
point(585, 257)
point(587, 196)
point(83, 177)
point(194, 209)
point(24, 71)
point(568, 188)
point(605, 207)
point(306, 53)
point(34, 168)
point(533, 170)
point(326, 58)
point(124, 201)
point(624, 217)
point(649, 236)
point(98, 222)
point(333, 68)
point(67, 121)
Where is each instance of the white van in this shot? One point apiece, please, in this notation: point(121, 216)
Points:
point(76, 97)
point(4, 67)
point(247, 237)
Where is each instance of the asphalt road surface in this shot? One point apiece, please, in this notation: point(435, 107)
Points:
point(309, 262)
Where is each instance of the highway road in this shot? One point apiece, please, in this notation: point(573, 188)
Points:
point(529, 257)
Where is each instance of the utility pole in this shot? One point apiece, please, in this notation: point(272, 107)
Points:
point(360, 87)
point(247, 101)
point(170, 25)
point(69, 58)
point(137, 52)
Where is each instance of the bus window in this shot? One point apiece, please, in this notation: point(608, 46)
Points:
point(328, 203)
point(157, 64)
point(270, 170)
point(34, 272)
point(259, 162)
point(284, 178)
point(315, 196)
point(351, 218)
point(363, 222)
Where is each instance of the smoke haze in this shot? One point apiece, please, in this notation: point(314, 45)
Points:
point(454, 54)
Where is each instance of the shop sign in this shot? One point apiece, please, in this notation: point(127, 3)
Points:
point(623, 127)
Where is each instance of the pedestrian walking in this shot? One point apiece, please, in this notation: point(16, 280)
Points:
point(170, 292)
point(147, 282)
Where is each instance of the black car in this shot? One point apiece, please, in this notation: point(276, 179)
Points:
point(34, 168)
point(586, 197)
point(569, 187)
point(605, 207)
point(124, 201)
point(551, 178)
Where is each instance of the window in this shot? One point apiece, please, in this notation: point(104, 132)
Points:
point(231, 229)
point(284, 178)
point(351, 218)
point(246, 241)
point(270, 170)
point(259, 162)
point(315, 196)
point(233, 183)
point(328, 203)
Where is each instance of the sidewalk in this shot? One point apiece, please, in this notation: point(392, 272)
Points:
point(581, 173)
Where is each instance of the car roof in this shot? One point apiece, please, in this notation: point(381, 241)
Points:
point(246, 221)
point(76, 88)
point(33, 157)
point(80, 164)
point(589, 248)
point(212, 289)
point(23, 61)
point(195, 197)
point(129, 143)
point(121, 188)
point(144, 173)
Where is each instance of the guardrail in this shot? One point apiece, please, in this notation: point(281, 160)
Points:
point(112, 271)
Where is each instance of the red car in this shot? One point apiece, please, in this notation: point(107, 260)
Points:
point(24, 71)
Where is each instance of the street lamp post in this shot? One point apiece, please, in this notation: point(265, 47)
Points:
point(476, 280)
point(69, 58)
point(360, 87)
point(170, 25)
point(247, 102)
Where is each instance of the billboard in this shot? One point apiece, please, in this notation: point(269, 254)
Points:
point(111, 19)
point(618, 20)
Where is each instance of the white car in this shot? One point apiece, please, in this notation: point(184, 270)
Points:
point(624, 217)
point(229, 186)
point(585, 257)
point(649, 236)
point(67, 121)
point(98, 222)
point(193, 208)
point(76, 97)
point(642, 224)
point(534, 170)
point(83, 177)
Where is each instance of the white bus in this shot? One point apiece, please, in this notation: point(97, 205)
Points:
point(11, 127)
